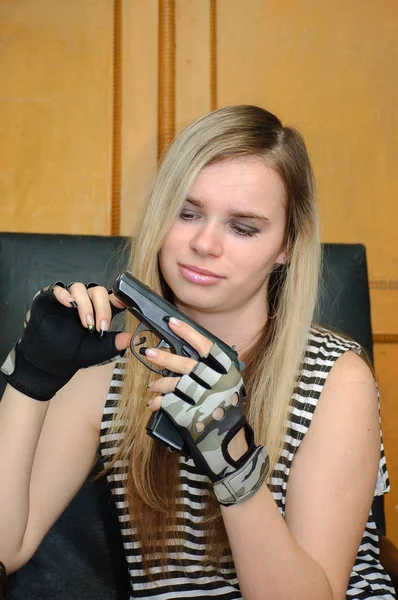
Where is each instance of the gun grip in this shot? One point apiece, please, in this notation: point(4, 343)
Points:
point(161, 429)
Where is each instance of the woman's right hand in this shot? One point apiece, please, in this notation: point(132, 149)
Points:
point(96, 308)
point(66, 330)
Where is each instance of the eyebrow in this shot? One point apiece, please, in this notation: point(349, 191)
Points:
point(232, 213)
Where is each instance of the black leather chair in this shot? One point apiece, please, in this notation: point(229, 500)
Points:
point(82, 558)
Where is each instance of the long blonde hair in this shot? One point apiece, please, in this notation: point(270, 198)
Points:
point(272, 363)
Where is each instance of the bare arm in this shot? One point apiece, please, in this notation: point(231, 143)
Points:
point(310, 554)
point(48, 445)
point(47, 450)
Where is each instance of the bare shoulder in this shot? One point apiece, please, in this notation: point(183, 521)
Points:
point(347, 408)
point(350, 368)
point(349, 392)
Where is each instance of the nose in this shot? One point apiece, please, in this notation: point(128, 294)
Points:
point(207, 240)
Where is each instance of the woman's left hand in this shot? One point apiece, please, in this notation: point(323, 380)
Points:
point(237, 445)
point(174, 362)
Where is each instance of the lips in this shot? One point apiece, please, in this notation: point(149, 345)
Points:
point(200, 270)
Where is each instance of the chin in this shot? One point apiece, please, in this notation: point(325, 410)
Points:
point(199, 302)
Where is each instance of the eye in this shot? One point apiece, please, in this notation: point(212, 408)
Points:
point(241, 232)
point(186, 215)
point(189, 215)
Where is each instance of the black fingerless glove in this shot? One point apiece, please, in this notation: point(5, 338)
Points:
point(54, 346)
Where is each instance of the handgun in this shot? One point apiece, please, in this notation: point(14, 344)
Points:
point(154, 312)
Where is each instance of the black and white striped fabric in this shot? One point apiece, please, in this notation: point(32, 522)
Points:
point(186, 576)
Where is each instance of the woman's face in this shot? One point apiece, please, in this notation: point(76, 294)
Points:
point(232, 226)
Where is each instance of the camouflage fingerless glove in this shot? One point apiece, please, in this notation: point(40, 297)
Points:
point(215, 383)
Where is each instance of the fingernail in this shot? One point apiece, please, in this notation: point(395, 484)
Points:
point(150, 352)
point(174, 321)
point(72, 302)
point(104, 326)
point(90, 322)
point(149, 402)
point(150, 384)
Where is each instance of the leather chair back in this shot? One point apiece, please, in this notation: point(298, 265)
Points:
point(82, 557)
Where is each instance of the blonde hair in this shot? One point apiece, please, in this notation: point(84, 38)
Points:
point(273, 361)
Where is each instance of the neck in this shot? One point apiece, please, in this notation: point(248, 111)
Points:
point(238, 327)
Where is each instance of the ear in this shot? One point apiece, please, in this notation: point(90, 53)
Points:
point(282, 258)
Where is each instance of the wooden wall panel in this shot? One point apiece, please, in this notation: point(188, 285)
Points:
point(192, 61)
point(56, 116)
point(386, 361)
point(385, 303)
point(330, 68)
point(140, 92)
point(139, 106)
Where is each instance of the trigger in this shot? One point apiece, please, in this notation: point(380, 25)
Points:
point(163, 344)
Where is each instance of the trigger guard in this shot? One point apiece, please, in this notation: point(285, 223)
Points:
point(141, 327)
point(162, 344)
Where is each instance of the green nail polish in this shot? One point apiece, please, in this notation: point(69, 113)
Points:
point(91, 328)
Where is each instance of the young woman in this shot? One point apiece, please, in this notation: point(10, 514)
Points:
point(274, 500)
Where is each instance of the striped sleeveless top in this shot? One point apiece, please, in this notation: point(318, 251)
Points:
point(189, 578)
